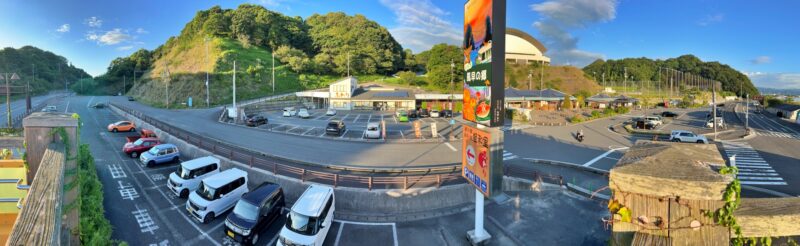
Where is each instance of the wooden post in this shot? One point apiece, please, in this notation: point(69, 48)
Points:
point(405, 183)
point(335, 180)
point(370, 183)
point(438, 180)
point(303, 176)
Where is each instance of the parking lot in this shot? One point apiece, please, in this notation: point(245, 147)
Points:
point(356, 123)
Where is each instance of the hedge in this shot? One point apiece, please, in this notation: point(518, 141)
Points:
point(95, 228)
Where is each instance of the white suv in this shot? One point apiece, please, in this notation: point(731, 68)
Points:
point(687, 137)
point(310, 219)
point(217, 194)
point(189, 174)
point(653, 120)
point(289, 112)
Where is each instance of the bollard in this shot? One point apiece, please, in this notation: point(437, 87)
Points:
point(335, 180)
point(405, 183)
point(303, 176)
point(438, 180)
point(251, 161)
point(370, 183)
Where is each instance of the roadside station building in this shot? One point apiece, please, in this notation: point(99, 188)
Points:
point(600, 101)
point(788, 111)
point(346, 94)
point(547, 99)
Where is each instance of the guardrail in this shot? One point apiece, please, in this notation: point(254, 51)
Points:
point(370, 178)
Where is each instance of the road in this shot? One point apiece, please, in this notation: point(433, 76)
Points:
point(18, 106)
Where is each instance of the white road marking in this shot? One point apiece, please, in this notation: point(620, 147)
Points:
point(127, 192)
point(338, 235)
point(90, 102)
point(165, 242)
point(157, 177)
point(345, 132)
point(761, 183)
point(508, 155)
point(370, 118)
point(592, 161)
point(146, 223)
point(309, 130)
point(448, 145)
point(357, 116)
point(67, 108)
point(116, 171)
point(754, 170)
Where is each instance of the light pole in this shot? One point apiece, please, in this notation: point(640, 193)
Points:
point(208, 102)
point(452, 68)
point(8, 80)
point(530, 79)
point(747, 112)
point(273, 73)
point(604, 80)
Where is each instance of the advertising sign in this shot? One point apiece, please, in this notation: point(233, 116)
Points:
point(417, 129)
point(484, 42)
point(476, 159)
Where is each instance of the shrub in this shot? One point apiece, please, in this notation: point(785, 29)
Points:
point(95, 228)
point(608, 111)
point(623, 110)
point(576, 119)
point(595, 114)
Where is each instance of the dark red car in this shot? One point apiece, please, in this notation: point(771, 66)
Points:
point(139, 146)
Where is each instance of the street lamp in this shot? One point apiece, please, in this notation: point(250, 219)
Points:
point(5, 76)
point(452, 77)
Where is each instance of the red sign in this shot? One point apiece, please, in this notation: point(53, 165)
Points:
point(476, 162)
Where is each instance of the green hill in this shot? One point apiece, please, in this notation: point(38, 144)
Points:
point(308, 54)
point(644, 69)
point(51, 70)
point(568, 79)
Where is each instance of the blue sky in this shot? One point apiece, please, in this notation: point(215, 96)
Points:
point(757, 39)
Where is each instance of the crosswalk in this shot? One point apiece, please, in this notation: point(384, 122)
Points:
point(767, 133)
point(508, 156)
point(753, 169)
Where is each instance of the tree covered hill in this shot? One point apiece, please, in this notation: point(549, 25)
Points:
point(52, 70)
point(308, 54)
point(645, 69)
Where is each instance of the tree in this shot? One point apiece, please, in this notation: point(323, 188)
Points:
point(409, 61)
point(408, 77)
point(297, 60)
point(567, 102)
point(579, 102)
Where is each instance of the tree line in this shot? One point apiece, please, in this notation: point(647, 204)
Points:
point(51, 71)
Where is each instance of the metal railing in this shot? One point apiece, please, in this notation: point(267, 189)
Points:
point(344, 176)
point(371, 178)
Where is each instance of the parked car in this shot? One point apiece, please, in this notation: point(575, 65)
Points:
point(423, 113)
point(413, 113)
point(256, 120)
point(131, 99)
point(653, 120)
point(373, 130)
point(687, 137)
point(402, 116)
point(141, 145)
point(720, 123)
point(159, 154)
point(217, 194)
point(310, 218)
point(257, 210)
point(122, 126)
point(49, 108)
point(303, 113)
point(330, 112)
point(144, 133)
point(719, 114)
point(335, 127)
point(446, 113)
point(668, 114)
point(189, 174)
point(289, 112)
point(434, 113)
point(99, 105)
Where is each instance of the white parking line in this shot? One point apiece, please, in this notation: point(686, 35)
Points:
point(345, 132)
point(338, 234)
point(90, 102)
point(402, 135)
point(309, 130)
point(592, 161)
point(370, 118)
point(450, 146)
point(67, 108)
point(357, 116)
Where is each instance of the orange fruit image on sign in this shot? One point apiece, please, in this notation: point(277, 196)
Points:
point(482, 111)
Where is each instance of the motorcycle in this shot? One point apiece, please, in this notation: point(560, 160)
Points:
point(579, 137)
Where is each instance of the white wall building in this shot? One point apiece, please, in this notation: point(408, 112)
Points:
point(522, 48)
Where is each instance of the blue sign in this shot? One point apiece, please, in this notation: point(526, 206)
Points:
point(190, 102)
point(477, 181)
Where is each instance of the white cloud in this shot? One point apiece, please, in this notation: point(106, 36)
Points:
point(271, 3)
point(775, 80)
point(112, 37)
point(559, 17)
point(761, 60)
point(63, 28)
point(123, 48)
point(710, 19)
point(141, 31)
point(93, 22)
point(420, 25)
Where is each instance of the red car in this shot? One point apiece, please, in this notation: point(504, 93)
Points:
point(139, 146)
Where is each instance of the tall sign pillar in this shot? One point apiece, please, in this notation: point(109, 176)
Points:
point(482, 143)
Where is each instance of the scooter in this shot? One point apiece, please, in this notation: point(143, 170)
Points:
point(579, 137)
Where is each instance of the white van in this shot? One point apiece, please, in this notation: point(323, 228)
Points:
point(217, 194)
point(189, 174)
point(310, 219)
point(289, 111)
point(373, 131)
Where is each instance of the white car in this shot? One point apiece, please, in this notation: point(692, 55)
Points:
point(434, 113)
point(373, 131)
point(720, 123)
point(189, 174)
point(289, 112)
point(49, 108)
point(217, 194)
point(654, 120)
point(330, 112)
point(303, 113)
point(310, 218)
point(687, 137)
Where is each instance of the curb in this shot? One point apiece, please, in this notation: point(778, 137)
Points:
point(767, 191)
point(570, 165)
point(587, 193)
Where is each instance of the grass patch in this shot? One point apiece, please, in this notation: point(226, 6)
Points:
point(95, 228)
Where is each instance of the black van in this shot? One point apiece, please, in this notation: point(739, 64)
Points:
point(255, 211)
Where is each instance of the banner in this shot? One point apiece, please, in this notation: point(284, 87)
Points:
point(476, 159)
point(484, 42)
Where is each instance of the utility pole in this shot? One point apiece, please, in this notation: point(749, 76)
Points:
point(625, 80)
point(234, 87)
point(530, 79)
point(714, 107)
point(166, 80)
point(541, 79)
point(208, 102)
point(5, 76)
point(348, 64)
point(747, 112)
point(452, 77)
point(604, 80)
point(124, 83)
point(273, 73)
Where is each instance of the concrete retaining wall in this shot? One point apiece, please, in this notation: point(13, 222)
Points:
point(377, 203)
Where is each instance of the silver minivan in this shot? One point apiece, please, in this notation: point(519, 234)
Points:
point(189, 174)
point(217, 194)
point(310, 218)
